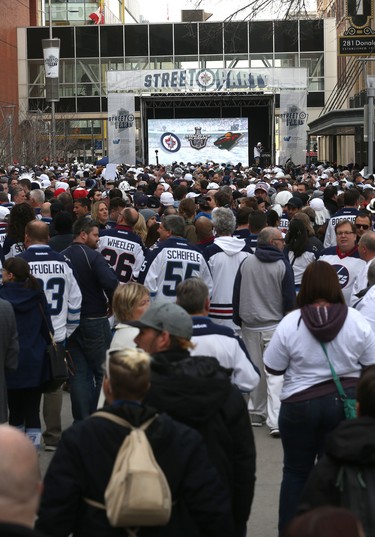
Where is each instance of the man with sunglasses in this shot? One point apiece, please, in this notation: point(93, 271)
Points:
point(363, 223)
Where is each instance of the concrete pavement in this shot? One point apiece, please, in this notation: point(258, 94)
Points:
point(263, 519)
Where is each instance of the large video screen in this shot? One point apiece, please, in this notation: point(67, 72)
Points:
point(199, 140)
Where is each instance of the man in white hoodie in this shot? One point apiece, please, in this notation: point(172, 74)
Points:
point(224, 257)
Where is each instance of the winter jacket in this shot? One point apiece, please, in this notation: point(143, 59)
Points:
point(197, 391)
point(83, 463)
point(33, 335)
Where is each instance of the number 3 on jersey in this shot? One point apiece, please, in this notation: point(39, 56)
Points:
point(174, 275)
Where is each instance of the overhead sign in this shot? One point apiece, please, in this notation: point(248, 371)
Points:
point(207, 80)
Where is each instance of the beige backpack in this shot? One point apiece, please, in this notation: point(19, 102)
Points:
point(137, 493)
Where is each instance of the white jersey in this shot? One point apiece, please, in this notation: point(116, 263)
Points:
point(211, 339)
point(63, 295)
point(172, 262)
point(347, 268)
point(123, 250)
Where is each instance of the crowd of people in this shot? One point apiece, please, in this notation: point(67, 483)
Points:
point(242, 284)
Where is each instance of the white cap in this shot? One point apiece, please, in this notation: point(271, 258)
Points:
point(4, 212)
point(213, 186)
point(167, 199)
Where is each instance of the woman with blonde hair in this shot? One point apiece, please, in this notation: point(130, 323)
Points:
point(129, 303)
point(140, 228)
point(99, 213)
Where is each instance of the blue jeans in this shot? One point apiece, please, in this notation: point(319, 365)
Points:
point(87, 347)
point(303, 429)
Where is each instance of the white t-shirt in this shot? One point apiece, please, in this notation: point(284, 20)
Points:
point(293, 348)
point(367, 306)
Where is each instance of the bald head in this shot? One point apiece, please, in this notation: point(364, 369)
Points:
point(20, 483)
point(203, 226)
point(36, 232)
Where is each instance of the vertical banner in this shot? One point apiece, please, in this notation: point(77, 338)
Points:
point(51, 56)
point(121, 128)
point(293, 126)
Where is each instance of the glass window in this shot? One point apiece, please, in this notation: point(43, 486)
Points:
point(87, 75)
point(185, 62)
point(87, 41)
point(66, 36)
point(261, 60)
point(286, 36)
point(235, 37)
point(111, 41)
point(161, 40)
point(161, 63)
point(315, 99)
point(36, 72)
point(34, 42)
point(261, 36)
point(137, 63)
point(136, 40)
point(315, 84)
point(286, 60)
point(88, 105)
point(236, 62)
point(185, 39)
point(66, 105)
point(311, 35)
point(211, 38)
point(314, 64)
point(211, 62)
point(67, 70)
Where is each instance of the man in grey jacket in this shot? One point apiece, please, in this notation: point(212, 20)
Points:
point(263, 293)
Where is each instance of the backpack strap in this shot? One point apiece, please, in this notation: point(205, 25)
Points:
point(121, 421)
point(124, 423)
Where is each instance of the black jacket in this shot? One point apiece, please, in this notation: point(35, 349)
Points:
point(197, 391)
point(83, 463)
point(15, 530)
point(351, 443)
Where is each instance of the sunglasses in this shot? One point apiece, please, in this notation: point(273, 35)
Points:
point(362, 226)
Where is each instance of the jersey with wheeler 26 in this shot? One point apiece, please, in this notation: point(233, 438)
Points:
point(123, 249)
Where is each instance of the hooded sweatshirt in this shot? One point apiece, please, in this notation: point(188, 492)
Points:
point(224, 257)
point(263, 290)
point(32, 335)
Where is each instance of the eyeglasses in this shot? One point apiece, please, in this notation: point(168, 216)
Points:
point(362, 226)
point(344, 233)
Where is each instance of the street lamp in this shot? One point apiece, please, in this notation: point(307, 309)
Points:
point(370, 122)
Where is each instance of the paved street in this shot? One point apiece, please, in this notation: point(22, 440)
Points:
point(263, 520)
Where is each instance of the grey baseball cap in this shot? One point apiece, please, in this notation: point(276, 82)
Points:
point(166, 316)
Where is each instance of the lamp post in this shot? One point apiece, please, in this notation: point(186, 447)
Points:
point(370, 122)
point(51, 53)
point(157, 158)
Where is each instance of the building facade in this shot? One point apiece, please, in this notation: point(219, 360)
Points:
point(88, 52)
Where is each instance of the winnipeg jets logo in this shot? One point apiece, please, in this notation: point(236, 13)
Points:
point(206, 78)
point(342, 274)
point(170, 142)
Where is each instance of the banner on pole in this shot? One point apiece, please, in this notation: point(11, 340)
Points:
point(121, 128)
point(293, 126)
